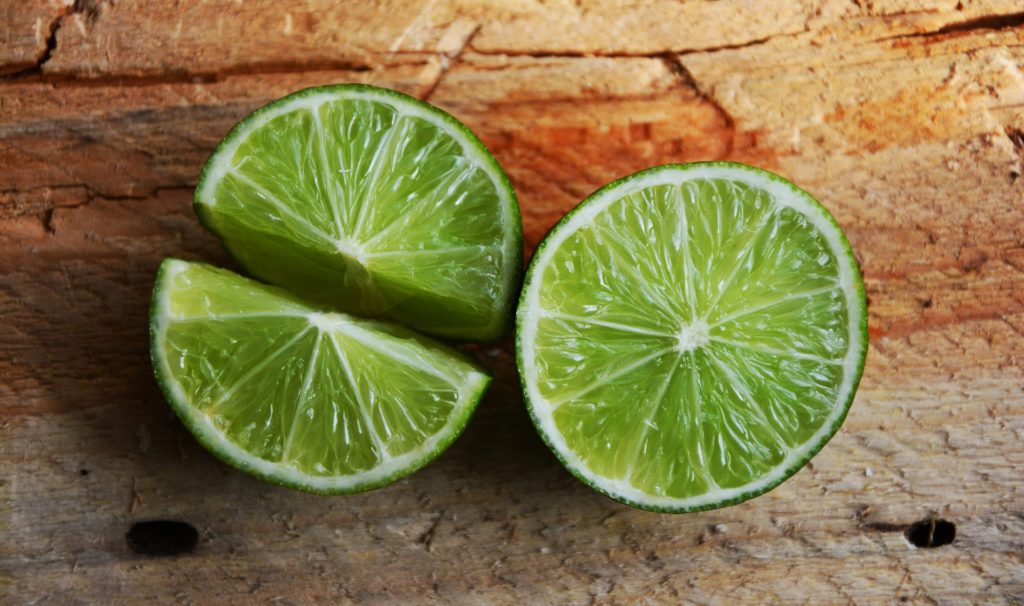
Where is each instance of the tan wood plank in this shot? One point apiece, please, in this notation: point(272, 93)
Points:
point(906, 119)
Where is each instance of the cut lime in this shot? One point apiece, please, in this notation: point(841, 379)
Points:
point(298, 396)
point(371, 201)
point(691, 335)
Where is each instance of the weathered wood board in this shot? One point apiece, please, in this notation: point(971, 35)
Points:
point(904, 117)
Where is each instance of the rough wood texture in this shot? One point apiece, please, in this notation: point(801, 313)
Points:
point(28, 34)
point(904, 117)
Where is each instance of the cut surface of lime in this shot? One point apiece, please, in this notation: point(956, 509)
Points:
point(690, 336)
point(298, 396)
point(373, 202)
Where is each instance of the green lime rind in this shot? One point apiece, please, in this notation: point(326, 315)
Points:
point(854, 362)
point(229, 452)
point(501, 317)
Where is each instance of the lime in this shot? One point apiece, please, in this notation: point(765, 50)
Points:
point(373, 202)
point(691, 335)
point(299, 396)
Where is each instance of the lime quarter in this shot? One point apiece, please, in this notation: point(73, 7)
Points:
point(298, 395)
point(373, 202)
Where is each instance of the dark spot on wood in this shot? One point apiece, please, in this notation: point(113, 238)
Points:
point(162, 538)
point(83, 472)
point(972, 258)
point(1016, 136)
point(48, 222)
point(867, 301)
point(427, 538)
point(931, 532)
point(925, 303)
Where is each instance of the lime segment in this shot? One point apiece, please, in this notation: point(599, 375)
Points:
point(270, 384)
point(372, 201)
point(690, 336)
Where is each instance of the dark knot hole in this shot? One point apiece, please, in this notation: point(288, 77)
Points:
point(932, 532)
point(162, 537)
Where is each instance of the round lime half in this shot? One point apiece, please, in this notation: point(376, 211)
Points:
point(371, 201)
point(298, 396)
point(691, 335)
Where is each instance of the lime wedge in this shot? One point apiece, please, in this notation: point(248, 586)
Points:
point(691, 335)
point(373, 202)
point(298, 396)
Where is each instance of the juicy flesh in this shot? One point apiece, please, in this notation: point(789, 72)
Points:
point(379, 212)
point(324, 393)
point(707, 343)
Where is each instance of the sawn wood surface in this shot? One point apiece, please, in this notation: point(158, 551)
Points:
point(904, 117)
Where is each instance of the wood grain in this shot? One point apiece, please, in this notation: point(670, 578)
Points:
point(904, 117)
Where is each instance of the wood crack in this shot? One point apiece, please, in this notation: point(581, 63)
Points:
point(51, 45)
point(35, 74)
point(47, 216)
point(88, 8)
point(447, 61)
point(991, 23)
point(427, 538)
point(683, 73)
point(92, 194)
point(569, 54)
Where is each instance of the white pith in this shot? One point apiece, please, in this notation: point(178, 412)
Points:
point(325, 323)
point(691, 335)
point(222, 164)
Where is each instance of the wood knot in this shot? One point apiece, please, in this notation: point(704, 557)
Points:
point(931, 532)
point(162, 537)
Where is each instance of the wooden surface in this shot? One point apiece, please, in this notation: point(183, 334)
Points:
point(904, 117)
